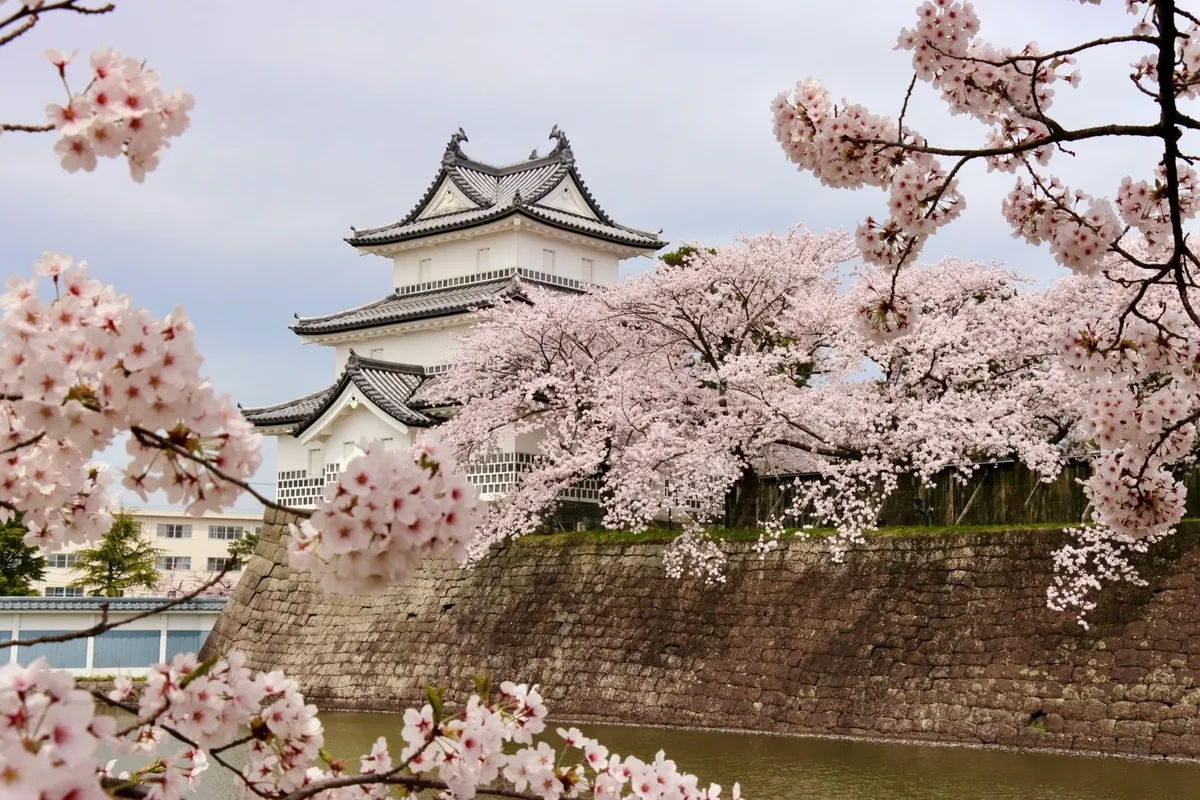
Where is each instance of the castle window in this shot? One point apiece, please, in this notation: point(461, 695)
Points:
point(316, 465)
point(425, 270)
point(589, 271)
point(483, 259)
point(548, 262)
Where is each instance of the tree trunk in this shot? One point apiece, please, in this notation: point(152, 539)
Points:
point(743, 501)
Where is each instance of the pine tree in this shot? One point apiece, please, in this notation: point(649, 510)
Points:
point(122, 560)
point(243, 548)
point(20, 565)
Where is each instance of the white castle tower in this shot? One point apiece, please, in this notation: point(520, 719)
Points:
point(479, 233)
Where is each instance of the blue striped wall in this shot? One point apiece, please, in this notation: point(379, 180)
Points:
point(63, 655)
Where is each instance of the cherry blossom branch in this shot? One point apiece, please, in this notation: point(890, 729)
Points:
point(1078, 135)
point(1056, 54)
point(156, 440)
point(65, 5)
point(140, 790)
point(412, 782)
point(105, 625)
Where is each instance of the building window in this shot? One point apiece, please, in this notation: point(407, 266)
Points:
point(62, 560)
point(173, 563)
point(483, 259)
point(63, 591)
point(218, 564)
point(548, 262)
point(349, 450)
point(377, 353)
point(316, 464)
point(387, 443)
point(174, 530)
point(425, 270)
point(589, 270)
point(225, 531)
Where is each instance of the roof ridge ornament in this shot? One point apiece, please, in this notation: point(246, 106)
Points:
point(454, 146)
point(562, 147)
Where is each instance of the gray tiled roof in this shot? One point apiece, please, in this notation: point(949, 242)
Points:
point(435, 299)
point(427, 392)
point(387, 384)
point(502, 191)
point(287, 412)
point(116, 605)
point(399, 308)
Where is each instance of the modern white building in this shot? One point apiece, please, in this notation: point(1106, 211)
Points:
point(193, 548)
point(126, 650)
point(479, 233)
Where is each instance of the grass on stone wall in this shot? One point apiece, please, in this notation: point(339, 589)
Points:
point(751, 534)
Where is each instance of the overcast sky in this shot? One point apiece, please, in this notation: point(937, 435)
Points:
point(312, 117)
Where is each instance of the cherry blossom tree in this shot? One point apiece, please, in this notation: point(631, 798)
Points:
point(693, 380)
point(82, 367)
point(1137, 357)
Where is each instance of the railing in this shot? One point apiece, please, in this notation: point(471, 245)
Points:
point(487, 277)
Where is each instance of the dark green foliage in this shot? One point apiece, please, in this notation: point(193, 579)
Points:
point(20, 565)
point(243, 548)
point(124, 559)
point(679, 256)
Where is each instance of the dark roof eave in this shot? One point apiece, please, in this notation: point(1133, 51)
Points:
point(345, 380)
point(362, 326)
point(354, 241)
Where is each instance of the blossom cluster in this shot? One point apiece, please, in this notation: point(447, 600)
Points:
point(389, 511)
point(121, 112)
point(1145, 206)
point(50, 738)
point(1143, 390)
point(48, 734)
point(850, 147)
point(86, 367)
point(1077, 227)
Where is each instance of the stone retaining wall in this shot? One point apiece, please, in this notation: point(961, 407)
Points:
point(942, 638)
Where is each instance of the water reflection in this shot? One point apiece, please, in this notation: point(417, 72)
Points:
point(780, 768)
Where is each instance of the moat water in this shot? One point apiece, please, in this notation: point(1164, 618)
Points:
point(784, 768)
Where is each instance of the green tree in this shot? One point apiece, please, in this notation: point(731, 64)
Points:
point(122, 560)
point(680, 255)
point(243, 548)
point(20, 564)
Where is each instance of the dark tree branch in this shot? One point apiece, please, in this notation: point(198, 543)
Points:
point(11, 126)
point(1079, 135)
point(24, 27)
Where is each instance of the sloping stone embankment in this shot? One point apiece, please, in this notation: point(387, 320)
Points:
point(943, 638)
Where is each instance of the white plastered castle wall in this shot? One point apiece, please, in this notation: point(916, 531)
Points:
point(516, 246)
point(422, 346)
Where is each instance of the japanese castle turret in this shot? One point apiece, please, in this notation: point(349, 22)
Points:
point(479, 233)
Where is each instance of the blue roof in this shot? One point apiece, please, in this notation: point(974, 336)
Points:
point(115, 604)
